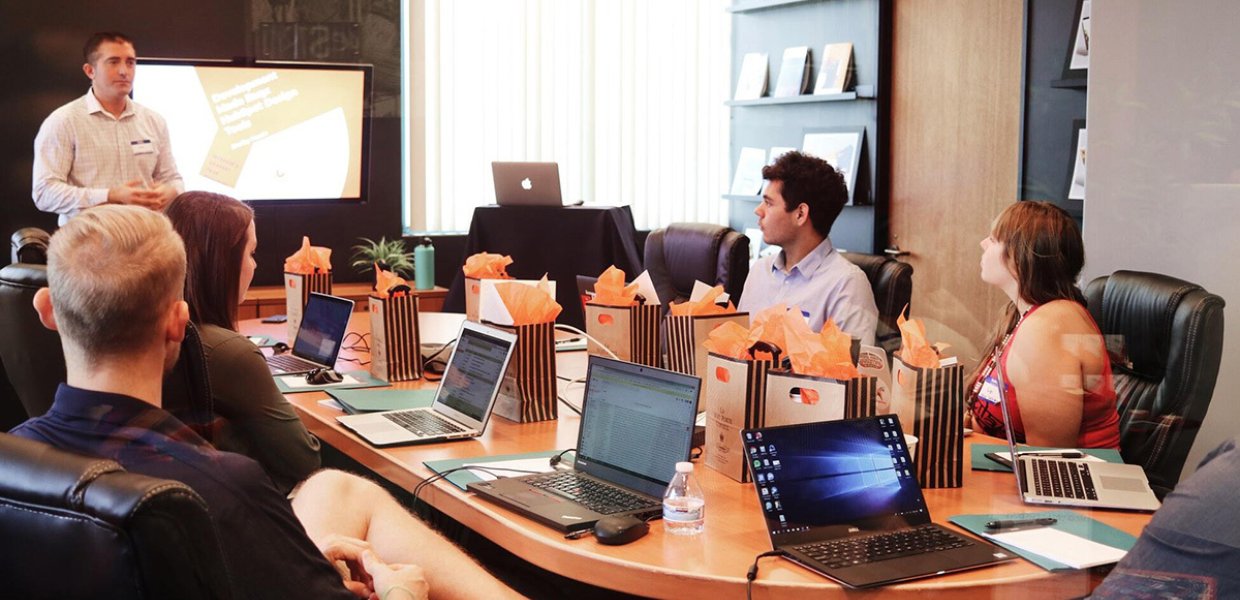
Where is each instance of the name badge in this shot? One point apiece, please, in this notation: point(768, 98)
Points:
point(142, 147)
point(990, 390)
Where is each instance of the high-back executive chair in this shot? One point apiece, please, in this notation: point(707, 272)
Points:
point(892, 282)
point(686, 252)
point(81, 527)
point(33, 359)
point(1173, 336)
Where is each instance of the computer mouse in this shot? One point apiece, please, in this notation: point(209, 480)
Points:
point(322, 376)
point(614, 531)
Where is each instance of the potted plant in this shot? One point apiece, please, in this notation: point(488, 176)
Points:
point(389, 254)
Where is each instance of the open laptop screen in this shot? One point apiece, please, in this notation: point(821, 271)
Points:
point(473, 373)
point(636, 423)
point(323, 324)
point(835, 477)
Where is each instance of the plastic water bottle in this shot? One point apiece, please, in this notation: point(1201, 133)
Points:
point(684, 506)
point(424, 265)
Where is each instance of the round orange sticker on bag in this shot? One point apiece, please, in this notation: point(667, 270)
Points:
point(722, 374)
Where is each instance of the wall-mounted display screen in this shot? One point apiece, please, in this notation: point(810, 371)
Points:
point(266, 131)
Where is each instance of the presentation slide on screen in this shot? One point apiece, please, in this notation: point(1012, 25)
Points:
point(258, 133)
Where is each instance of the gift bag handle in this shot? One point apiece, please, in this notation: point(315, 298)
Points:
point(767, 347)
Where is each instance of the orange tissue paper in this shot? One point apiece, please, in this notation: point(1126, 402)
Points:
point(730, 340)
point(827, 354)
point(386, 281)
point(610, 289)
point(915, 351)
point(529, 305)
point(484, 265)
point(309, 259)
point(703, 307)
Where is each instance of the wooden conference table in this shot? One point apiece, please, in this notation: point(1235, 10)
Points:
point(711, 565)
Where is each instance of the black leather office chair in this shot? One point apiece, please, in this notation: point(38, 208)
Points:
point(81, 527)
point(687, 252)
point(29, 245)
point(1173, 338)
point(892, 282)
point(31, 354)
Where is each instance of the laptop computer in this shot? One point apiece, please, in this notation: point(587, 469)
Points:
point(319, 337)
point(527, 183)
point(636, 424)
point(841, 498)
point(1074, 482)
point(463, 401)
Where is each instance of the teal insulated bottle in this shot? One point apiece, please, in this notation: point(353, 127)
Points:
point(424, 265)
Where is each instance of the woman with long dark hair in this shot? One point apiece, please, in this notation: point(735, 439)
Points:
point(1046, 346)
point(256, 419)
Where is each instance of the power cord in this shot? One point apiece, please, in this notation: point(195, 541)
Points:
point(753, 571)
point(362, 344)
point(571, 329)
point(434, 364)
point(417, 490)
point(557, 459)
point(570, 405)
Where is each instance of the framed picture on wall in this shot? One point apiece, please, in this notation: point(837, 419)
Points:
point(1076, 65)
point(839, 146)
point(1076, 183)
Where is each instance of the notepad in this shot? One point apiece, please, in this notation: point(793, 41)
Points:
point(1060, 546)
point(362, 401)
point(290, 384)
point(1074, 524)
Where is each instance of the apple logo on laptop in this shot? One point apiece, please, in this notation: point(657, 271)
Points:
point(526, 185)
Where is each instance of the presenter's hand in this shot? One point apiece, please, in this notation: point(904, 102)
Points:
point(396, 581)
point(137, 194)
point(166, 193)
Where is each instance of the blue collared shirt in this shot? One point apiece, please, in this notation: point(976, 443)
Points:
point(823, 285)
point(266, 549)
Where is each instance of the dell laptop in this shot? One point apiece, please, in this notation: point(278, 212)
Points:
point(636, 424)
point(1042, 479)
point(463, 402)
point(323, 325)
point(841, 498)
point(527, 183)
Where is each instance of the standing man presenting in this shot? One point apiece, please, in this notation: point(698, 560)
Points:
point(104, 148)
point(803, 197)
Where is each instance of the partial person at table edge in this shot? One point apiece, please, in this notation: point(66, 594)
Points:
point(104, 148)
point(803, 198)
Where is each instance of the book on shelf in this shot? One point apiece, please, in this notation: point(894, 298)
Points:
point(747, 180)
point(794, 72)
point(836, 73)
point(753, 80)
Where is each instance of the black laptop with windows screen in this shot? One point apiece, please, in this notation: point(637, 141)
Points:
point(841, 498)
point(323, 325)
point(636, 424)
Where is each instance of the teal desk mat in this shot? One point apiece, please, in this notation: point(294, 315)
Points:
point(977, 455)
point(356, 400)
point(364, 378)
point(1068, 521)
point(462, 479)
point(262, 341)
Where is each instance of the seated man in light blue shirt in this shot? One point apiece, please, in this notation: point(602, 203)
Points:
point(803, 198)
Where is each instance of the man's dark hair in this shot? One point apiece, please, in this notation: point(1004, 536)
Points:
point(811, 181)
point(95, 40)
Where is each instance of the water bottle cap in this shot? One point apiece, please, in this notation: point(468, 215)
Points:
point(684, 467)
point(426, 241)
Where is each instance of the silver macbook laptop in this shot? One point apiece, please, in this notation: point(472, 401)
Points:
point(636, 424)
point(527, 183)
point(323, 325)
point(840, 498)
point(1074, 482)
point(463, 402)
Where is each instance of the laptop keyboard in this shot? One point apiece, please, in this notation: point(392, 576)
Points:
point(290, 363)
point(1062, 479)
point(595, 495)
point(423, 422)
point(853, 551)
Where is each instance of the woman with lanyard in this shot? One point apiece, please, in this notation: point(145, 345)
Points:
point(1053, 359)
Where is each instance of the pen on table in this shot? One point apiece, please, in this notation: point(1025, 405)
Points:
point(1053, 453)
point(1042, 522)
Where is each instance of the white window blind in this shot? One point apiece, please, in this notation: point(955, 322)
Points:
point(626, 95)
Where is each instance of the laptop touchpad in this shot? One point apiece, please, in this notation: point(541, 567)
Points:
point(1122, 484)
